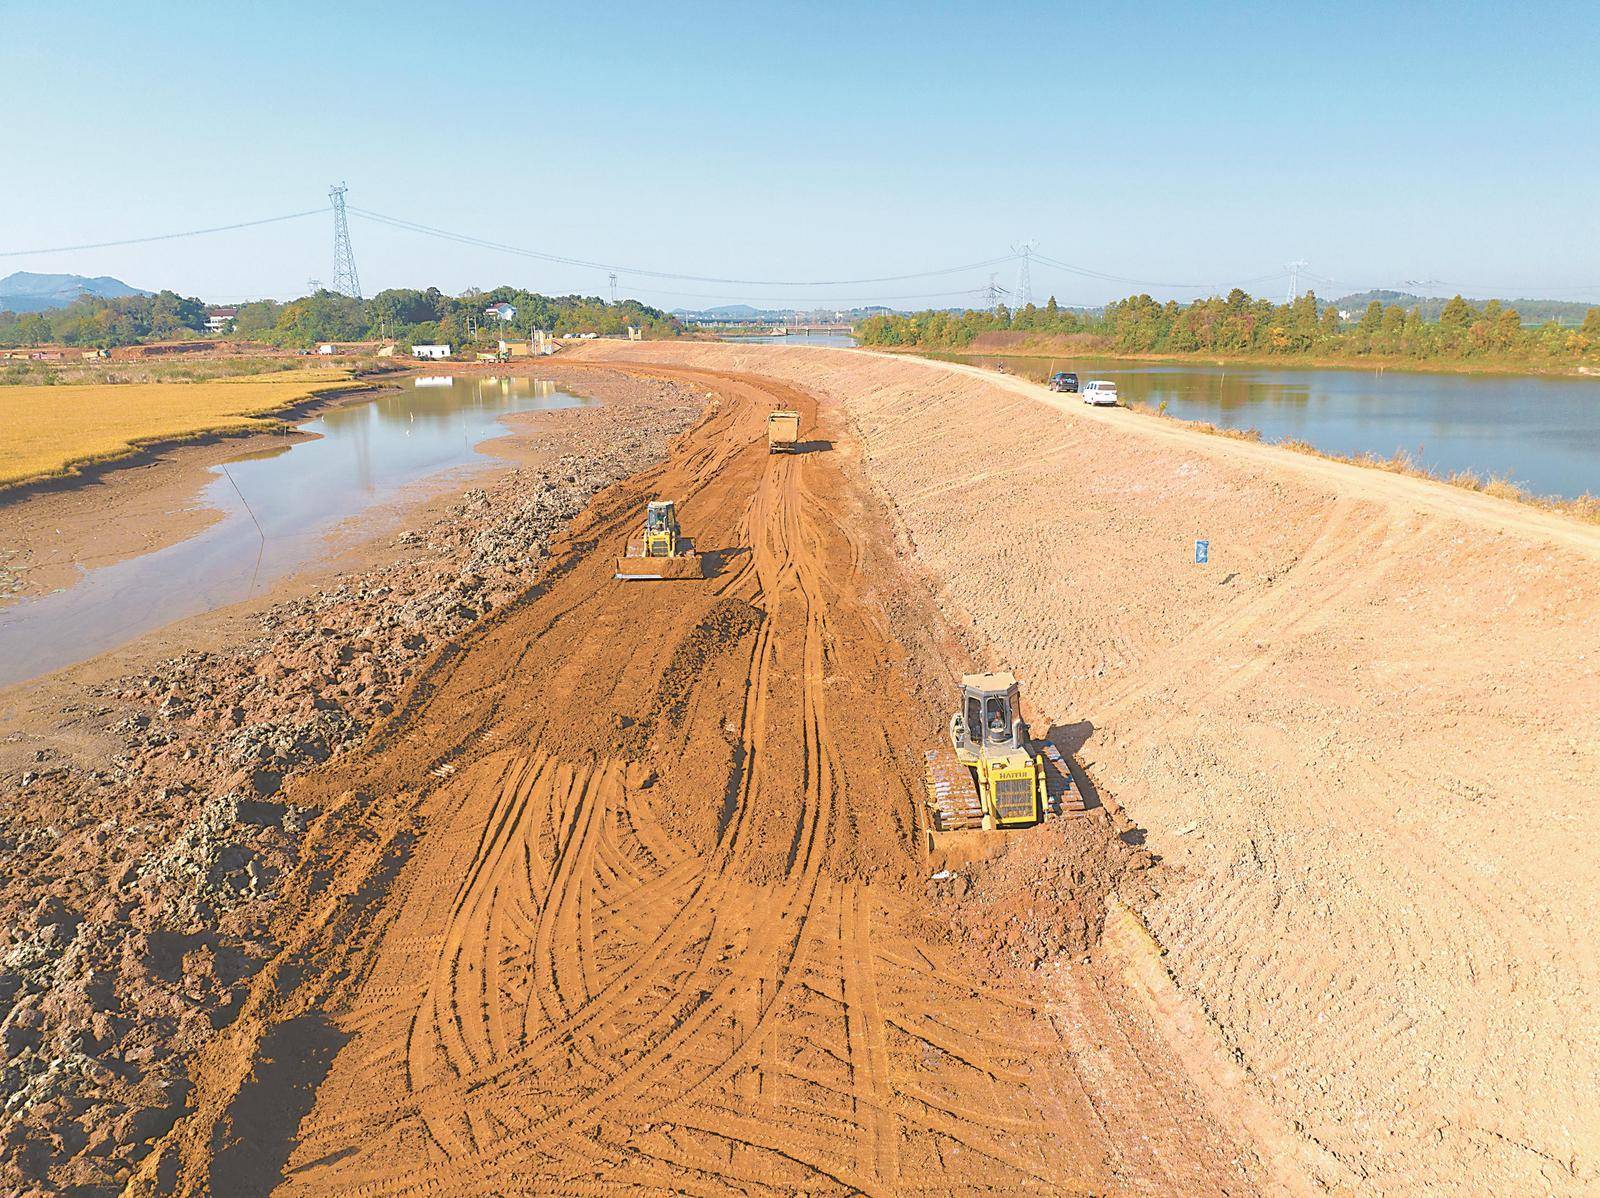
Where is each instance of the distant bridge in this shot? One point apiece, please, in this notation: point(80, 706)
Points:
point(818, 326)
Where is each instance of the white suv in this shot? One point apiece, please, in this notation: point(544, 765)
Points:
point(1100, 393)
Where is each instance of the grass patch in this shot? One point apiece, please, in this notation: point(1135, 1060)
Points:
point(51, 429)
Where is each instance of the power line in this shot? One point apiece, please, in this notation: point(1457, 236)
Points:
point(104, 245)
point(1110, 278)
point(792, 300)
point(562, 259)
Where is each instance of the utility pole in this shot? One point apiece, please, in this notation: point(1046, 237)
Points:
point(1024, 292)
point(345, 280)
point(613, 287)
point(1294, 269)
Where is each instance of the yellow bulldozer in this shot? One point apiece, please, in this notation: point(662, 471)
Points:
point(994, 776)
point(660, 550)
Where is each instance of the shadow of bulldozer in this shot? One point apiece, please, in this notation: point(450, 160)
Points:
point(713, 561)
point(1069, 740)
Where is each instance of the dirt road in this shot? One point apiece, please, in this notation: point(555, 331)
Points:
point(626, 898)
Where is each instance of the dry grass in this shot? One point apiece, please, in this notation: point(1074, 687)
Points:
point(51, 430)
point(1585, 507)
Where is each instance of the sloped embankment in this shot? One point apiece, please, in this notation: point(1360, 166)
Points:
point(1364, 740)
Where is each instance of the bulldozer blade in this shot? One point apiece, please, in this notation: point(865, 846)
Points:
point(658, 569)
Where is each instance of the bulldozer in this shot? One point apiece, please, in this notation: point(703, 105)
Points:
point(660, 550)
point(994, 776)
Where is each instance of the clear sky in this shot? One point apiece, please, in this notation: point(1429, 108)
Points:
point(1168, 142)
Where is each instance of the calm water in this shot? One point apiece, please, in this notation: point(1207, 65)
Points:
point(364, 455)
point(800, 339)
point(1542, 432)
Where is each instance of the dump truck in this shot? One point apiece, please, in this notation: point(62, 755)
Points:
point(660, 551)
point(783, 432)
point(994, 775)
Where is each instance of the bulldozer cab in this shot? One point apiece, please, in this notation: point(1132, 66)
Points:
point(990, 716)
point(660, 516)
point(660, 529)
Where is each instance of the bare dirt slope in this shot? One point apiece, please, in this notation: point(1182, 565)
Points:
point(626, 898)
point(1365, 739)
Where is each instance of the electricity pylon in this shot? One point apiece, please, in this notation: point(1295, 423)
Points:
point(1294, 269)
point(1024, 292)
point(345, 279)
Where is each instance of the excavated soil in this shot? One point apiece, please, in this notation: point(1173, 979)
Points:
point(626, 897)
point(144, 832)
point(1364, 740)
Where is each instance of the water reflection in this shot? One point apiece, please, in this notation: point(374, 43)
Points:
point(1542, 432)
point(278, 505)
point(828, 338)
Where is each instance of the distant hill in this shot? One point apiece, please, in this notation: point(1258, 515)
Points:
point(25, 291)
point(1532, 311)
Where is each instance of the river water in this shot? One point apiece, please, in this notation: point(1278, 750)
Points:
point(277, 508)
point(833, 339)
point(1543, 433)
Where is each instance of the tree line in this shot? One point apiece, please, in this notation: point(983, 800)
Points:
point(96, 321)
point(1238, 324)
point(404, 315)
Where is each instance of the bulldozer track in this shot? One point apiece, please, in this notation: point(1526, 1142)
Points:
point(628, 952)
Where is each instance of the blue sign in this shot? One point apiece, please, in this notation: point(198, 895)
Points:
point(1202, 552)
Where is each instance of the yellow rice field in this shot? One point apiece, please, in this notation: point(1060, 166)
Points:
point(47, 431)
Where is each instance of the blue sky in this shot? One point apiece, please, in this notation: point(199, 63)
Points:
point(1158, 142)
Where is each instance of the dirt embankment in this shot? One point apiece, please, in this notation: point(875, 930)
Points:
point(1364, 740)
point(144, 828)
point(627, 897)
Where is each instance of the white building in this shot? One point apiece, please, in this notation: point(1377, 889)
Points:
point(326, 347)
point(218, 319)
point(433, 352)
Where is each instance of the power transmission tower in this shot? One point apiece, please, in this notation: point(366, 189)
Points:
point(1024, 292)
point(613, 288)
point(345, 280)
point(313, 286)
point(993, 292)
point(1294, 269)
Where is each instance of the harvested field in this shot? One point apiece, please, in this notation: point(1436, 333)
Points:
point(1364, 741)
point(47, 431)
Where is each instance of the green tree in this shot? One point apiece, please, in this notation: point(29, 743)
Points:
point(1457, 315)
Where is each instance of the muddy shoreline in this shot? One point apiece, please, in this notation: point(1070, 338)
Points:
point(142, 830)
point(74, 474)
point(56, 527)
